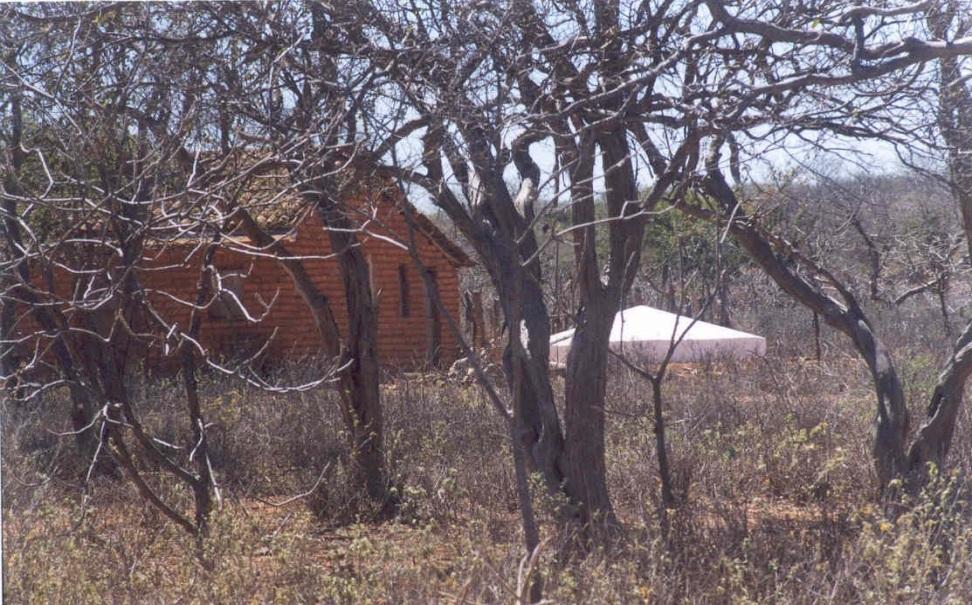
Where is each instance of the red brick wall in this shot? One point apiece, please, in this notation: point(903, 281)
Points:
point(403, 341)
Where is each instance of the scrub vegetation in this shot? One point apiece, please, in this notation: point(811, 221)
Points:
point(798, 170)
point(778, 500)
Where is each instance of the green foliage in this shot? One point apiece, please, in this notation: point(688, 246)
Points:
point(690, 246)
point(673, 243)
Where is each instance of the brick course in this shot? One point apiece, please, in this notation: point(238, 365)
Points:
point(402, 341)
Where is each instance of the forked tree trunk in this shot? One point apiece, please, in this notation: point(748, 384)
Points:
point(934, 438)
point(892, 459)
point(503, 240)
point(586, 372)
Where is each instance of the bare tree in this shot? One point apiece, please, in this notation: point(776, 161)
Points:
point(313, 139)
point(620, 89)
point(78, 220)
point(147, 122)
point(802, 95)
point(95, 196)
point(950, 21)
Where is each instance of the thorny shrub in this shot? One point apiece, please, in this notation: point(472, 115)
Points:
point(770, 460)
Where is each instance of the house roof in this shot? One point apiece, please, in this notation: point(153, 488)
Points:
point(268, 201)
point(279, 211)
point(645, 334)
point(285, 214)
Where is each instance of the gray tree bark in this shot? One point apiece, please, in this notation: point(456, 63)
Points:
point(892, 418)
point(363, 415)
point(934, 438)
point(360, 401)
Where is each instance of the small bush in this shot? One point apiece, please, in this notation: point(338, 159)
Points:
point(771, 457)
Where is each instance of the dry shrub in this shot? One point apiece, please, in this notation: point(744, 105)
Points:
point(770, 457)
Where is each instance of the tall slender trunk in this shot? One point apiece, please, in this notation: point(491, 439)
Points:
point(363, 415)
point(661, 448)
point(358, 381)
point(817, 350)
point(433, 354)
point(204, 485)
point(519, 446)
point(942, 292)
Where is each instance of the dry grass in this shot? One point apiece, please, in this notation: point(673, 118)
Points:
point(771, 458)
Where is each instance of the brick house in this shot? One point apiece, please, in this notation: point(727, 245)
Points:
point(410, 331)
point(409, 328)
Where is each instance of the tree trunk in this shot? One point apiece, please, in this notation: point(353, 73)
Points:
point(586, 382)
point(9, 362)
point(360, 404)
point(202, 486)
point(586, 373)
point(363, 417)
point(942, 292)
point(205, 483)
point(505, 241)
point(817, 350)
point(82, 411)
point(433, 355)
point(519, 446)
point(934, 438)
point(661, 448)
point(525, 361)
point(475, 318)
point(891, 422)
point(725, 315)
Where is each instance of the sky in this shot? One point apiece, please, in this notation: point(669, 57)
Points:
point(845, 157)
